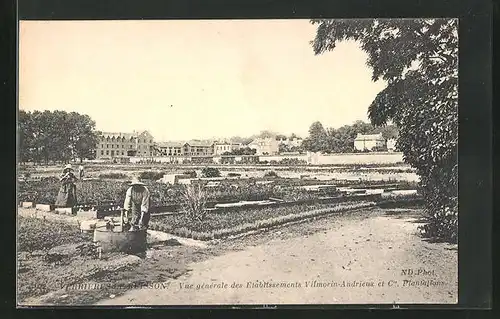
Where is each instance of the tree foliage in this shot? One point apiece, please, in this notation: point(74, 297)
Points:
point(266, 134)
point(341, 140)
point(317, 139)
point(55, 136)
point(418, 59)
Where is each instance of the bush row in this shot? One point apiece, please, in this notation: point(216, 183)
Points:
point(113, 176)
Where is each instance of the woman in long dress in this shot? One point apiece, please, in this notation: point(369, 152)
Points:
point(67, 191)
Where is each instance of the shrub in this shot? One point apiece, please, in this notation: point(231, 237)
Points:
point(113, 176)
point(210, 172)
point(379, 149)
point(191, 174)
point(194, 202)
point(271, 174)
point(151, 175)
point(233, 174)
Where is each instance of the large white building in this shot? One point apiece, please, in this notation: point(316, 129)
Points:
point(116, 145)
point(368, 142)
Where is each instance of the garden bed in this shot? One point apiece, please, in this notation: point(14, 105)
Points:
point(220, 225)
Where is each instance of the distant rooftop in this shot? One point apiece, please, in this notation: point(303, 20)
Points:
point(182, 143)
point(369, 137)
point(123, 134)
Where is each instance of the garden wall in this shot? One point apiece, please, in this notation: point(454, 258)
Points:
point(311, 158)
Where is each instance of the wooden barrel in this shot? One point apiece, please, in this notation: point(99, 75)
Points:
point(130, 242)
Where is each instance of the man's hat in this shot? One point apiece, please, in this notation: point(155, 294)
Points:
point(68, 167)
point(136, 181)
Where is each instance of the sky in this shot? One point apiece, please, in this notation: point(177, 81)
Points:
point(193, 79)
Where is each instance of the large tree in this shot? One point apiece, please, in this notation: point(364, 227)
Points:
point(83, 138)
point(55, 136)
point(418, 59)
point(25, 137)
point(317, 140)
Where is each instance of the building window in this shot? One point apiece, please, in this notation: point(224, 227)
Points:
point(112, 145)
point(107, 145)
point(107, 152)
point(102, 152)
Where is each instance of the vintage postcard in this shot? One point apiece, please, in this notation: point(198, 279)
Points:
point(237, 162)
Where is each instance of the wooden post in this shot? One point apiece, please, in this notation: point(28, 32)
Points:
point(121, 220)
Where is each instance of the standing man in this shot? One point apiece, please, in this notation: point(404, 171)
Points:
point(80, 171)
point(136, 204)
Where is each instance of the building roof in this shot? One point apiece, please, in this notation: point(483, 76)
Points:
point(200, 143)
point(125, 135)
point(170, 144)
point(369, 137)
point(226, 143)
point(118, 135)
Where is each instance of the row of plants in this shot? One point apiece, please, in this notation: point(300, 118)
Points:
point(285, 161)
point(215, 226)
point(113, 175)
point(157, 175)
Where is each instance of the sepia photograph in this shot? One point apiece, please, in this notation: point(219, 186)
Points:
point(237, 162)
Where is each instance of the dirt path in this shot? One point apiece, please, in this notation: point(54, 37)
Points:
point(358, 250)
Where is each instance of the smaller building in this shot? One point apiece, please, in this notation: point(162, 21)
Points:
point(265, 146)
point(169, 149)
point(198, 148)
point(223, 147)
point(369, 142)
point(291, 142)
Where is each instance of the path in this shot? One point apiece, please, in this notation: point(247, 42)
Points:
point(363, 250)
